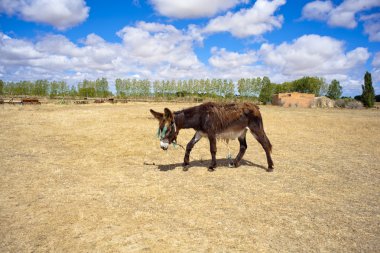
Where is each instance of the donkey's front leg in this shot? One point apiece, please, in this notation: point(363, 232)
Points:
point(197, 136)
point(212, 140)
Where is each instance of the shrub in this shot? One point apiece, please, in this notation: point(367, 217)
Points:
point(322, 102)
point(340, 103)
point(354, 105)
point(348, 103)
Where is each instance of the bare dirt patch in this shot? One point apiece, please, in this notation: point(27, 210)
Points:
point(72, 178)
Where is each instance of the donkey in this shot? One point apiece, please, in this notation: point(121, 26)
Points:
point(214, 121)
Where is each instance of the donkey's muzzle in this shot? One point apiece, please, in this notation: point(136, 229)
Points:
point(164, 144)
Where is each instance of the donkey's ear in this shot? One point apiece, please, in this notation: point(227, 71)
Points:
point(157, 115)
point(168, 114)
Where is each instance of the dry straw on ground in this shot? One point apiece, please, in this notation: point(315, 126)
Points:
point(73, 179)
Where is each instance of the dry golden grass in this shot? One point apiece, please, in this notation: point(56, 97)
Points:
point(73, 179)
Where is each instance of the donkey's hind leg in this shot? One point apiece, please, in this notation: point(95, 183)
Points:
point(257, 131)
point(243, 148)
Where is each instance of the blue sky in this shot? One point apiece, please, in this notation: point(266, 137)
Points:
point(73, 40)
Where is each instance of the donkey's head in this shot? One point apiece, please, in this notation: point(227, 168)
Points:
point(167, 130)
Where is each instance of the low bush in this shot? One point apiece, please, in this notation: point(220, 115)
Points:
point(348, 103)
point(354, 105)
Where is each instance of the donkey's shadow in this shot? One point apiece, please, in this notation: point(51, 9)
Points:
point(204, 163)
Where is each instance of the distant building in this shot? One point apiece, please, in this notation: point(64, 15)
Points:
point(294, 99)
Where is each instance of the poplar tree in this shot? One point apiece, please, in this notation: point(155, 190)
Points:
point(368, 95)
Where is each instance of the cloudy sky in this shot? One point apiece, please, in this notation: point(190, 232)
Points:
point(73, 40)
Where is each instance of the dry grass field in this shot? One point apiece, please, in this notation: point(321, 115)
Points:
point(73, 179)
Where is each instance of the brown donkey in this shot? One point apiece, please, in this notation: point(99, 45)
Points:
point(214, 121)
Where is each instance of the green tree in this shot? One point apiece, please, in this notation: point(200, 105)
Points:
point(267, 91)
point(256, 86)
point(41, 88)
point(314, 85)
point(127, 86)
point(145, 88)
point(180, 89)
point(1, 87)
point(368, 95)
point(196, 87)
point(229, 90)
point(208, 89)
point(8, 88)
point(190, 84)
point(172, 87)
point(73, 92)
point(54, 89)
point(334, 90)
point(133, 88)
point(214, 87)
point(119, 85)
point(285, 87)
point(157, 88)
point(306, 84)
point(86, 88)
point(219, 87)
point(63, 88)
point(246, 87)
point(202, 87)
point(101, 87)
point(185, 87)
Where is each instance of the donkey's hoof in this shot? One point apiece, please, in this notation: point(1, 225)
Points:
point(211, 169)
point(270, 169)
point(185, 166)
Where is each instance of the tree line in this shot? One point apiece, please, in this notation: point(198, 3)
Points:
point(261, 89)
point(43, 88)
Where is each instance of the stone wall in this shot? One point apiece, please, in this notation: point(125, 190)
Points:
point(294, 99)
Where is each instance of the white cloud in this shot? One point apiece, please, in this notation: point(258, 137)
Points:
point(234, 65)
point(313, 55)
point(376, 60)
point(152, 44)
point(147, 50)
point(376, 70)
point(61, 14)
point(248, 22)
point(343, 15)
point(317, 10)
point(194, 8)
point(226, 60)
point(372, 26)
point(308, 55)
